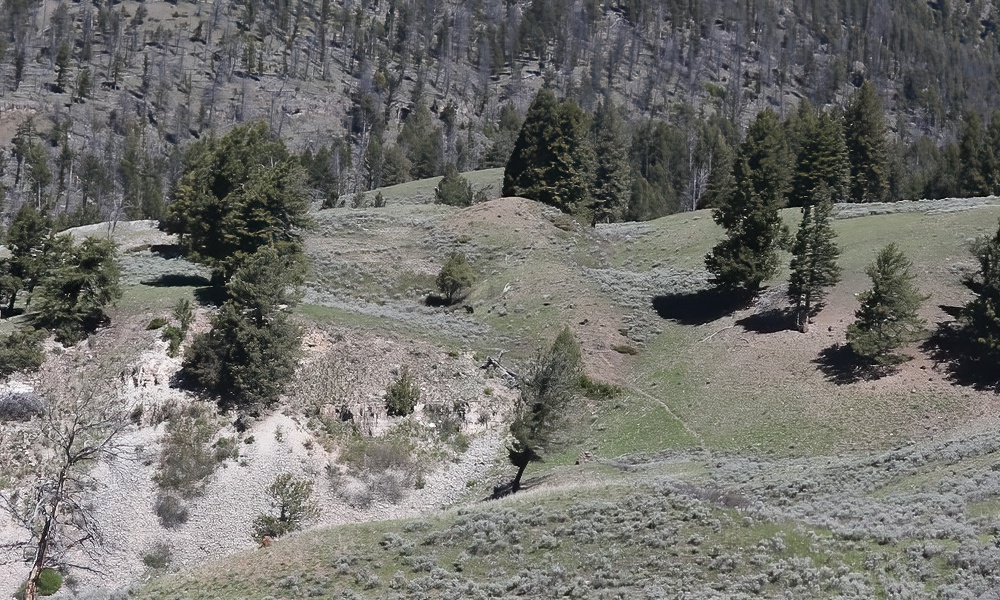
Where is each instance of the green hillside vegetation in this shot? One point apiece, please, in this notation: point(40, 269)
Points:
point(743, 457)
point(592, 299)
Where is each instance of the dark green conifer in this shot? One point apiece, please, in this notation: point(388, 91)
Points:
point(820, 157)
point(866, 135)
point(887, 318)
point(814, 259)
point(612, 174)
point(975, 157)
point(453, 189)
point(981, 315)
point(552, 158)
point(754, 232)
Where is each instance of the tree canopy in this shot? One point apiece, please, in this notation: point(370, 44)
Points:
point(887, 318)
point(866, 136)
point(79, 283)
point(748, 255)
point(814, 258)
point(980, 316)
point(236, 194)
point(552, 158)
point(455, 275)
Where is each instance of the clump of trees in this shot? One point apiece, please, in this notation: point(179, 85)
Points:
point(237, 207)
point(551, 384)
point(80, 283)
point(887, 318)
point(552, 156)
point(69, 285)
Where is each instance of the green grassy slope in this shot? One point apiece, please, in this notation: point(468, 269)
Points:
point(736, 463)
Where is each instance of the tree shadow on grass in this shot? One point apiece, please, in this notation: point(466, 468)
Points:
point(210, 295)
point(840, 365)
point(769, 321)
point(178, 280)
point(951, 347)
point(436, 301)
point(700, 307)
point(167, 251)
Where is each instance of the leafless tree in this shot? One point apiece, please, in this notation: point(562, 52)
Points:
point(50, 497)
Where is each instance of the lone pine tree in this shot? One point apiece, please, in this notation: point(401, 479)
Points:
point(814, 259)
point(887, 318)
point(553, 381)
point(612, 174)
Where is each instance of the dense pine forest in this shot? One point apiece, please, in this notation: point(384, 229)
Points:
point(99, 99)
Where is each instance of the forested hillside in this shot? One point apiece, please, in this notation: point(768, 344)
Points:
point(98, 99)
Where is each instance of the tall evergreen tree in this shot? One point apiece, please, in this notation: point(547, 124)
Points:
point(765, 151)
point(26, 242)
point(80, 282)
point(660, 170)
point(612, 173)
point(981, 315)
point(820, 157)
point(975, 156)
point(552, 158)
point(421, 138)
point(814, 259)
point(250, 353)
point(887, 318)
point(754, 231)
point(866, 135)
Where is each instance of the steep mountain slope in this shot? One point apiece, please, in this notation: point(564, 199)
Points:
point(116, 89)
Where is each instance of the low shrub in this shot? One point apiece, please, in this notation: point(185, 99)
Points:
point(20, 406)
point(625, 349)
point(158, 556)
point(173, 335)
point(21, 351)
point(49, 582)
point(225, 448)
point(171, 510)
point(599, 390)
point(187, 458)
point(402, 395)
point(156, 323)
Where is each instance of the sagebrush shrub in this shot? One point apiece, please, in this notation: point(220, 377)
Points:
point(20, 406)
point(171, 510)
point(402, 395)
